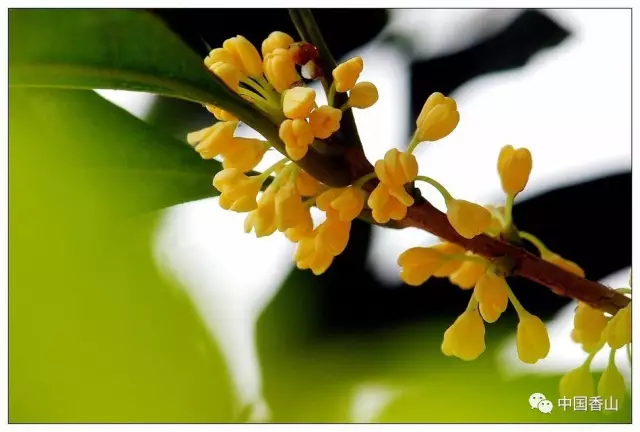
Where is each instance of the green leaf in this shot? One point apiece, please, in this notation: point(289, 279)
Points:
point(97, 332)
point(118, 150)
point(93, 48)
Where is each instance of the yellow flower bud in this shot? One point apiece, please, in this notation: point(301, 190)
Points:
point(244, 153)
point(302, 229)
point(298, 102)
point(212, 141)
point(565, 264)
point(223, 56)
point(418, 264)
point(275, 40)
point(611, 384)
point(468, 274)
point(577, 382)
point(290, 211)
point(465, 338)
point(492, 293)
point(228, 73)
point(346, 202)
point(297, 137)
point(220, 114)
point(450, 265)
point(589, 324)
point(308, 257)
point(532, 339)
point(514, 167)
point(384, 204)
point(245, 54)
point(307, 185)
point(467, 218)
point(363, 95)
point(263, 219)
point(280, 69)
point(438, 118)
point(397, 168)
point(346, 74)
point(617, 333)
point(324, 121)
point(237, 191)
point(332, 236)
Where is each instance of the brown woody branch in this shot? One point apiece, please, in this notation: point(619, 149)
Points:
point(425, 216)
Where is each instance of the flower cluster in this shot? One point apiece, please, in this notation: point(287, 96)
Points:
point(593, 329)
point(273, 82)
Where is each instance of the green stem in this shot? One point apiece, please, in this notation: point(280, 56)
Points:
point(473, 303)
point(629, 353)
point(362, 180)
point(592, 354)
point(508, 210)
point(535, 241)
point(266, 173)
point(520, 310)
point(624, 290)
point(332, 95)
point(268, 96)
point(443, 191)
point(345, 106)
point(415, 140)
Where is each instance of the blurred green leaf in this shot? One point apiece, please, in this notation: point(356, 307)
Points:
point(96, 332)
point(105, 48)
point(118, 150)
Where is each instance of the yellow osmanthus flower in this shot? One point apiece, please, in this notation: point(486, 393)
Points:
point(228, 73)
point(569, 266)
point(262, 220)
point(244, 153)
point(213, 140)
point(438, 118)
point(347, 202)
point(301, 230)
point(385, 204)
point(577, 382)
point(611, 383)
point(307, 256)
point(346, 74)
point(297, 102)
point(532, 338)
point(493, 296)
point(280, 69)
point(276, 40)
point(467, 218)
point(397, 168)
point(514, 167)
point(363, 95)
point(220, 114)
point(324, 121)
point(617, 333)
point(465, 338)
point(588, 323)
point(297, 137)
point(307, 184)
point(246, 55)
point(451, 264)
point(468, 274)
point(237, 191)
point(290, 211)
point(332, 236)
point(221, 55)
point(418, 264)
